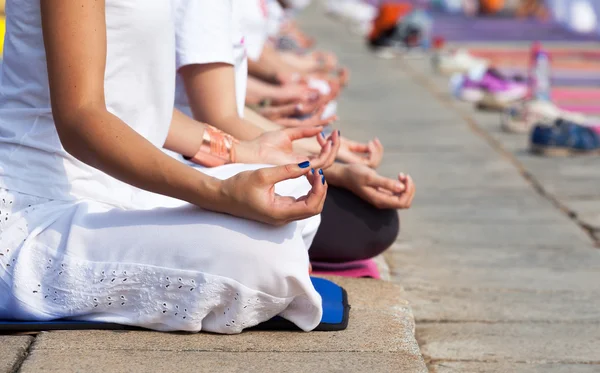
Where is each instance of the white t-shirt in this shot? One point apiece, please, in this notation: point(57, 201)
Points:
point(209, 31)
point(276, 17)
point(139, 89)
point(255, 25)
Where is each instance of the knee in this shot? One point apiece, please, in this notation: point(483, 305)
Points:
point(388, 228)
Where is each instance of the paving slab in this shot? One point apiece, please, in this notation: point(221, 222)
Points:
point(380, 322)
point(13, 350)
point(586, 210)
point(553, 257)
point(511, 342)
point(102, 361)
point(509, 234)
point(462, 367)
point(368, 331)
point(441, 304)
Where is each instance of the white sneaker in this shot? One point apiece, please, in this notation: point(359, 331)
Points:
point(522, 117)
point(458, 62)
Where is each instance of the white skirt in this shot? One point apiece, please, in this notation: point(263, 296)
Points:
point(171, 266)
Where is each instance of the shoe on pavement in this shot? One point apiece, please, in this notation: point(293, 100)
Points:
point(460, 62)
point(564, 138)
point(523, 116)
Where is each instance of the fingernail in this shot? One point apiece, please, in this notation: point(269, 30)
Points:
point(402, 175)
point(304, 164)
point(339, 133)
point(320, 171)
point(312, 170)
point(299, 107)
point(323, 134)
point(323, 179)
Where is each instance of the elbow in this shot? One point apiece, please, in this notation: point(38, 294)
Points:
point(70, 138)
point(75, 128)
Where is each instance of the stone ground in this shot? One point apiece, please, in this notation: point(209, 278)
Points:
point(496, 256)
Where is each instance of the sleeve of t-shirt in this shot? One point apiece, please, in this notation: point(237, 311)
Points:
point(203, 32)
point(254, 20)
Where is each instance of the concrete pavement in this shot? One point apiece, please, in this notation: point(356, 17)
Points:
point(497, 255)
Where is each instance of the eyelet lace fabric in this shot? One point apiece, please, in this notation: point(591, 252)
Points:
point(50, 285)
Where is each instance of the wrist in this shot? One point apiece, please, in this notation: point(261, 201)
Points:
point(244, 152)
point(216, 149)
point(206, 192)
point(336, 174)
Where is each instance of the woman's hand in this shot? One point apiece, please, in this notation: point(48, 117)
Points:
point(324, 61)
point(313, 120)
point(251, 195)
point(296, 93)
point(289, 110)
point(379, 191)
point(369, 154)
point(276, 147)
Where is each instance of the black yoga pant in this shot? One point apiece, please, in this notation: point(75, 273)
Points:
point(352, 229)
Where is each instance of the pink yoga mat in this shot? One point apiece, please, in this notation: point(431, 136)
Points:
point(585, 109)
point(357, 269)
point(575, 94)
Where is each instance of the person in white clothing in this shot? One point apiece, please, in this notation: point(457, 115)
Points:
point(205, 88)
point(98, 223)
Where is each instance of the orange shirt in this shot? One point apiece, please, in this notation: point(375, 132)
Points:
point(491, 6)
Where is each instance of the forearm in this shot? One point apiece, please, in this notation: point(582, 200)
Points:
point(263, 71)
point(269, 65)
point(103, 141)
point(210, 90)
point(261, 90)
point(300, 63)
point(261, 122)
point(185, 134)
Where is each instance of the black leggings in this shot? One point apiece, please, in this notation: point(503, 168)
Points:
point(352, 229)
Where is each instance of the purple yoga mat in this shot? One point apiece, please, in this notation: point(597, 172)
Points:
point(462, 28)
point(564, 78)
point(458, 27)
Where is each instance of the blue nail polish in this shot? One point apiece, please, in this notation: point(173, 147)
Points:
point(312, 170)
point(304, 164)
point(339, 133)
point(323, 179)
point(323, 134)
point(320, 172)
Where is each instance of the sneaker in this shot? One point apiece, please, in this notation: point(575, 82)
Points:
point(488, 91)
point(459, 62)
point(565, 138)
point(522, 117)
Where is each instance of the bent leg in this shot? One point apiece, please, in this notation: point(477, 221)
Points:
point(164, 268)
point(352, 229)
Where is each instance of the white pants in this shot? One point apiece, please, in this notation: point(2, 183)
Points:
point(172, 266)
